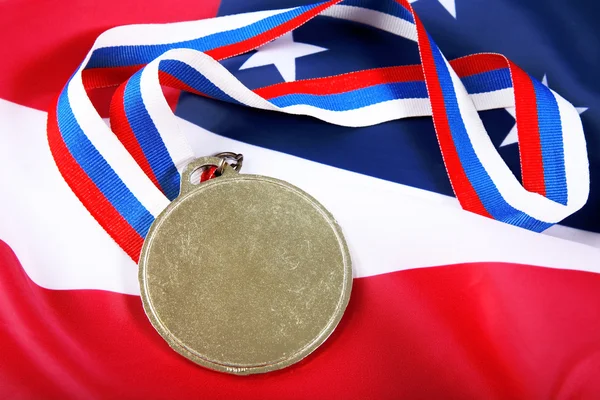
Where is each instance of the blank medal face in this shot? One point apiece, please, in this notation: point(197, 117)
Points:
point(245, 274)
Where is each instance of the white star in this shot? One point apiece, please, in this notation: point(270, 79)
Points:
point(513, 136)
point(282, 53)
point(449, 5)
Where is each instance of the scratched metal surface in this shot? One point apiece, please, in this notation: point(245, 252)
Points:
point(244, 274)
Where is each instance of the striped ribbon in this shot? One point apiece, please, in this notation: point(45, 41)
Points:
point(127, 174)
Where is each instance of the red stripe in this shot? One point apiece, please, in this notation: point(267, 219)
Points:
point(96, 78)
point(119, 124)
point(101, 94)
point(530, 146)
point(344, 82)
point(471, 331)
point(208, 174)
point(477, 64)
point(87, 192)
point(466, 194)
point(258, 40)
point(169, 80)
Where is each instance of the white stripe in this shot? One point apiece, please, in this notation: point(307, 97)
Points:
point(366, 116)
point(149, 34)
point(107, 144)
point(392, 227)
point(157, 107)
point(377, 19)
point(57, 241)
point(576, 159)
point(574, 235)
point(502, 98)
point(62, 247)
point(533, 204)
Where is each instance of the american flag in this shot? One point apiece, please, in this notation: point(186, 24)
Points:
point(445, 303)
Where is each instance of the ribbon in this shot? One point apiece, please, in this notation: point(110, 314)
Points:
point(127, 174)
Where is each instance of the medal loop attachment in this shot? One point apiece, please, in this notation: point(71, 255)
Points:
point(236, 164)
point(219, 161)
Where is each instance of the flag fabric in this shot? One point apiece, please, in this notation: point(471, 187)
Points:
point(445, 302)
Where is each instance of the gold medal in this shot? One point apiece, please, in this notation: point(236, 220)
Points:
point(244, 273)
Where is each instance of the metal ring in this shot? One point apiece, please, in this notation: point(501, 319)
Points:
point(228, 155)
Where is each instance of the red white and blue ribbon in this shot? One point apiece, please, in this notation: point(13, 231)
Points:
point(127, 174)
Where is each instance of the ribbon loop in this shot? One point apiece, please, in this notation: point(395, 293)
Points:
point(131, 187)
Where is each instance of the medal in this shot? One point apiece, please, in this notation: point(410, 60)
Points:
point(244, 273)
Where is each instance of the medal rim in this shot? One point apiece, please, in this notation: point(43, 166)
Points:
point(298, 355)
